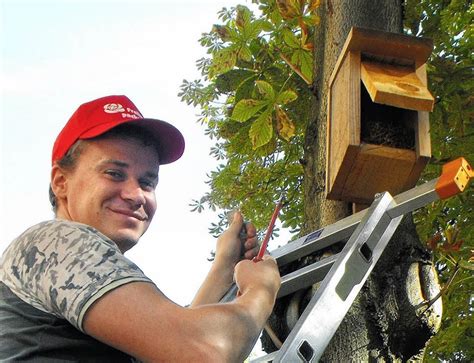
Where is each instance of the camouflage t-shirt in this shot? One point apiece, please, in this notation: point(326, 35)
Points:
point(61, 268)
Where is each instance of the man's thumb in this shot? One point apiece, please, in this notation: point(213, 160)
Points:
point(237, 221)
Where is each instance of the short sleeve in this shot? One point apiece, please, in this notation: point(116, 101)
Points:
point(63, 267)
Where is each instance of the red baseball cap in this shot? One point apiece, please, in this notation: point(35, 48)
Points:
point(96, 117)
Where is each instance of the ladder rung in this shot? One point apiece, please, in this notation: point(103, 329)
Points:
point(296, 280)
point(306, 276)
point(317, 240)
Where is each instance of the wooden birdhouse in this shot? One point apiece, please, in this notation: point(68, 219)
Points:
point(378, 128)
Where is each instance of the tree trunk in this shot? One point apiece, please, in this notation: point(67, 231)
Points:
point(388, 321)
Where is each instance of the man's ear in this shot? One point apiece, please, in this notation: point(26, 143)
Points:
point(59, 182)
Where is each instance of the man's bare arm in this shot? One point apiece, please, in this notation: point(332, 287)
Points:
point(139, 320)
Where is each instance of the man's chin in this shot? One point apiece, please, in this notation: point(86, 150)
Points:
point(125, 245)
point(125, 241)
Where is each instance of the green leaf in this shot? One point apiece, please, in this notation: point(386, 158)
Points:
point(245, 109)
point(267, 149)
point(253, 29)
point(286, 97)
point(275, 16)
point(290, 39)
point(267, 26)
point(245, 88)
point(223, 60)
point(245, 53)
point(261, 130)
point(243, 16)
point(466, 265)
point(304, 61)
point(307, 66)
point(231, 80)
point(265, 89)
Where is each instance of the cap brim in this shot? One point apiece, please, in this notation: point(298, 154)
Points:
point(170, 141)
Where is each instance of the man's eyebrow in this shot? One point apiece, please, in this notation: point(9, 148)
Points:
point(115, 162)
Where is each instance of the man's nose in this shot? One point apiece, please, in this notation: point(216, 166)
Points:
point(133, 192)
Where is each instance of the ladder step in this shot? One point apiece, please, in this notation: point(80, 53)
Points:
point(317, 240)
point(296, 280)
point(306, 276)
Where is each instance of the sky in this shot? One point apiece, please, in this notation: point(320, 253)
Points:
point(57, 55)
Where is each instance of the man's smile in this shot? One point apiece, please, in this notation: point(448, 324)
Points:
point(141, 216)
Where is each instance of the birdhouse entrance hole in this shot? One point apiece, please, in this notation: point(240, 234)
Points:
point(386, 125)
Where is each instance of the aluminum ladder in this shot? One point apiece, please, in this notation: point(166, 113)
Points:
point(342, 275)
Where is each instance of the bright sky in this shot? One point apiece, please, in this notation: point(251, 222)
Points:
point(57, 55)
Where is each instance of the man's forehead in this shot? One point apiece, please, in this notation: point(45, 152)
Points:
point(122, 152)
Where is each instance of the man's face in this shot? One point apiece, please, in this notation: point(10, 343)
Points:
point(112, 189)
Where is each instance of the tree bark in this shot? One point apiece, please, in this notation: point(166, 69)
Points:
point(388, 321)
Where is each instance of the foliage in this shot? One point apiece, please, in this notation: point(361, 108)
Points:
point(448, 226)
point(254, 98)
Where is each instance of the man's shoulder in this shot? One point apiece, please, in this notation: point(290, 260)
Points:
point(58, 229)
point(57, 267)
point(55, 225)
point(46, 244)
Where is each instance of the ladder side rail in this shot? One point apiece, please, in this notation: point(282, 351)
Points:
point(266, 358)
point(415, 198)
point(321, 318)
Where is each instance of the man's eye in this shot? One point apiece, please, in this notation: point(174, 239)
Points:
point(147, 184)
point(115, 174)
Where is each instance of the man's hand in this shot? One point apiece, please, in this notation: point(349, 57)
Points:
point(262, 275)
point(230, 249)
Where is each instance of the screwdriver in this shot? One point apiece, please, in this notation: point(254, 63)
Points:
point(268, 234)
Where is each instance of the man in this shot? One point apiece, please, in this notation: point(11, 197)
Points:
point(68, 293)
